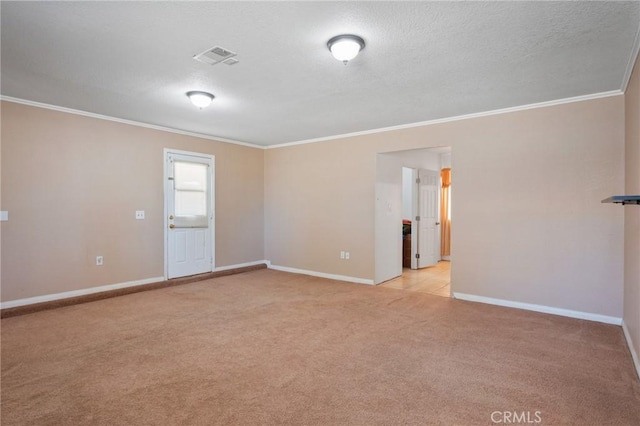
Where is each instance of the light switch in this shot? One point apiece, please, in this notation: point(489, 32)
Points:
point(139, 214)
point(4, 216)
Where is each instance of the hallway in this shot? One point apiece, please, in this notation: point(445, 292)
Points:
point(435, 280)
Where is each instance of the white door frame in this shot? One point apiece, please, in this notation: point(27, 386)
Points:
point(165, 188)
point(414, 212)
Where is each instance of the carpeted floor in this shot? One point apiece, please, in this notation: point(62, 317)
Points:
point(268, 347)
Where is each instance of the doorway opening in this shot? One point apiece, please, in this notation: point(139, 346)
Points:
point(418, 184)
point(189, 201)
point(434, 280)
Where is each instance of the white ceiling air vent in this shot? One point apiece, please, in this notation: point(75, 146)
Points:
point(230, 61)
point(215, 55)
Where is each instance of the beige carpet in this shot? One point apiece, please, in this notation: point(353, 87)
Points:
point(267, 347)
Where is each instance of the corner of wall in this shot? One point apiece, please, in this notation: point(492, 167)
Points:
point(631, 295)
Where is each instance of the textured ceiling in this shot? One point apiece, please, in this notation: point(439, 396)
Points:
point(423, 61)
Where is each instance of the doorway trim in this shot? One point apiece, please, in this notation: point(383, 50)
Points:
point(165, 221)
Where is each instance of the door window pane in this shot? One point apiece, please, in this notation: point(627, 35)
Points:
point(190, 176)
point(190, 194)
point(191, 203)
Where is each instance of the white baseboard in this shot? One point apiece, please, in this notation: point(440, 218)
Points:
point(76, 293)
point(632, 349)
point(242, 265)
point(100, 289)
point(540, 308)
point(322, 275)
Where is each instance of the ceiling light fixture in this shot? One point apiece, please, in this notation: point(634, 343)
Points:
point(200, 99)
point(345, 47)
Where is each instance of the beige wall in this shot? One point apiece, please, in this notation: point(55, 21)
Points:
point(1, 223)
point(72, 184)
point(388, 216)
point(528, 225)
point(632, 213)
point(319, 200)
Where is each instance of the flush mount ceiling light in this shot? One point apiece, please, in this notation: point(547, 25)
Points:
point(200, 99)
point(345, 47)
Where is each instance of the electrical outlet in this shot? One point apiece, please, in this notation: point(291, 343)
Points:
point(341, 255)
point(139, 214)
point(346, 255)
point(99, 260)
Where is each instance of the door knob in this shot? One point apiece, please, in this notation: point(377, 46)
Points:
point(171, 217)
point(172, 226)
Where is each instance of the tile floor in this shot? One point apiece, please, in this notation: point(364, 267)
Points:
point(434, 280)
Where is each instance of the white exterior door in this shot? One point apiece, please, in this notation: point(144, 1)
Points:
point(428, 225)
point(189, 213)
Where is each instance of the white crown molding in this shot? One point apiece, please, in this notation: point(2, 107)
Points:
point(334, 137)
point(322, 275)
point(539, 308)
point(456, 118)
point(124, 121)
point(632, 60)
point(634, 354)
point(76, 293)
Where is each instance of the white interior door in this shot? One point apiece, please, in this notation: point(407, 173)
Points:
point(427, 220)
point(189, 213)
